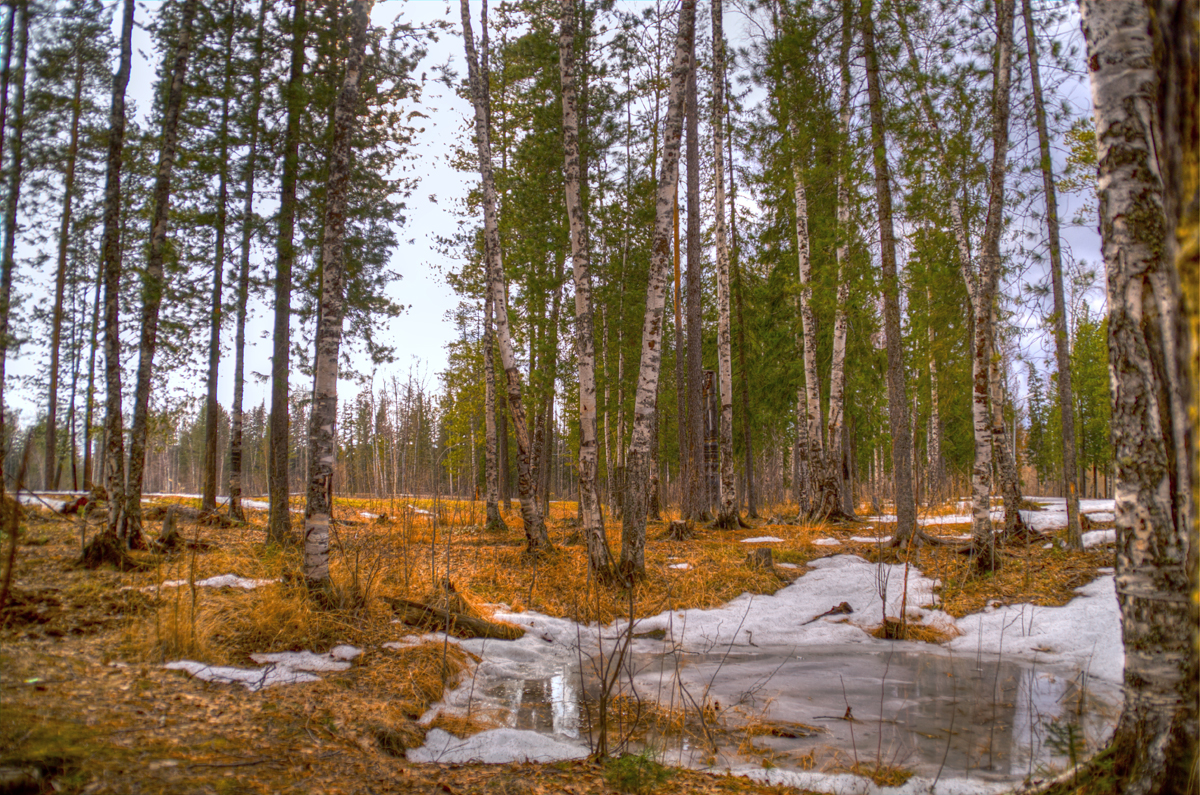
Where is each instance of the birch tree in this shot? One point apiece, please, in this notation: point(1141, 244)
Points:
point(536, 538)
point(110, 251)
point(599, 560)
point(727, 495)
point(637, 462)
point(1142, 58)
point(318, 508)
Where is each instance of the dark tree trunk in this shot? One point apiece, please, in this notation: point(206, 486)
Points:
point(12, 203)
point(279, 522)
point(153, 281)
point(236, 418)
point(698, 501)
point(906, 514)
point(50, 480)
point(208, 497)
point(114, 430)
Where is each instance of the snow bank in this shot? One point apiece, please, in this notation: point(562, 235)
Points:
point(1086, 632)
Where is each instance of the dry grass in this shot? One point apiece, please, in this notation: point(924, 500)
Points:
point(368, 713)
point(883, 775)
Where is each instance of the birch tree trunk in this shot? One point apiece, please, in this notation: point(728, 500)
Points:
point(12, 201)
point(1006, 467)
point(495, 522)
point(208, 498)
point(110, 252)
point(981, 286)
point(153, 281)
point(637, 462)
point(833, 476)
point(1066, 399)
point(906, 514)
point(279, 520)
point(599, 560)
point(1145, 79)
point(698, 500)
point(50, 479)
point(727, 499)
point(243, 287)
point(536, 538)
point(322, 427)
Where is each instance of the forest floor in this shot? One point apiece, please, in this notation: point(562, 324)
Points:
point(87, 706)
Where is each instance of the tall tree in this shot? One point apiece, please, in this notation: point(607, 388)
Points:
point(78, 79)
point(697, 501)
point(599, 560)
point(1145, 77)
point(153, 281)
point(318, 511)
point(981, 286)
point(279, 521)
point(727, 497)
point(236, 418)
point(906, 514)
point(633, 520)
point(13, 198)
point(208, 496)
point(114, 430)
point(536, 538)
point(1062, 349)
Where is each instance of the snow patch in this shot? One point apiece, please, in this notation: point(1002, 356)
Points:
point(220, 581)
point(495, 746)
point(871, 539)
point(828, 542)
point(253, 679)
point(762, 540)
point(680, 566)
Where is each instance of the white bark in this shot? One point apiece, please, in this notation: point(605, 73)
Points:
point(322, 428)
point(1144, 76)
point(633, 526)
point(536, 538)
point(727, 492)
point(599, 562)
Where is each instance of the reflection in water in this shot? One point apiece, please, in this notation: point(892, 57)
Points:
point(928, 711)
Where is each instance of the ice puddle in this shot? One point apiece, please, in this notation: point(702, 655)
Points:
point(1002, 702)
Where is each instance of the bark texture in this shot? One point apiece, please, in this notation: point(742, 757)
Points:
point(637, 462)
point(322, 428)
point(906, 514)
point(279, 520)
point(153, 281)
point(727, 492)
point(1145, 76)
point(697, 500)
point(110, 252)
point(536, 538)
point(599, 560)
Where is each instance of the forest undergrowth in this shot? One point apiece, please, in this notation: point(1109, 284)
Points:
point(87, 706)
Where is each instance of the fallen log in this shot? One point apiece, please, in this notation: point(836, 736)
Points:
point(460, 625)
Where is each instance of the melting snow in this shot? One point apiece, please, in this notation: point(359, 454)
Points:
point(220, 581)
point(762, 540)
point(495, 746)
point(1095, 538)
point(828, 542)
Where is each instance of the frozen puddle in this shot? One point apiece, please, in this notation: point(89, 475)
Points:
point(978, 714)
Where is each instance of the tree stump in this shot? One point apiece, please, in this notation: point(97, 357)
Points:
point(761, 559)
point(679, 530)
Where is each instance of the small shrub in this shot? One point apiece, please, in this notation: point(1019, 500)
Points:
point(636, 773)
